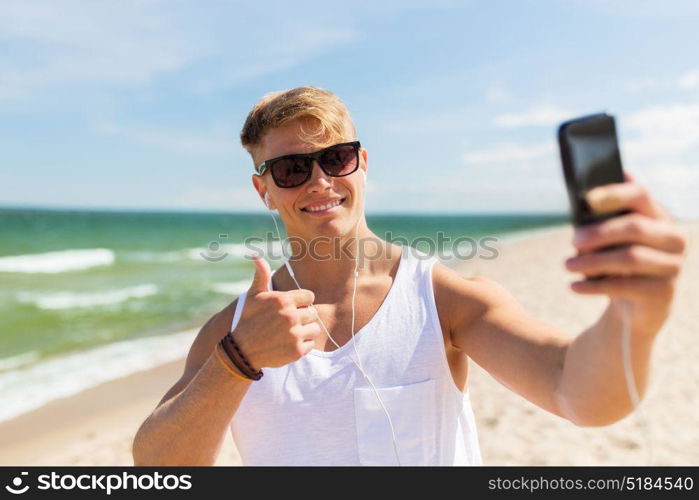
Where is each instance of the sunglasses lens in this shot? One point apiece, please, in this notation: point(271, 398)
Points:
point(290, 172)
point(339, 160)
point(336, 161)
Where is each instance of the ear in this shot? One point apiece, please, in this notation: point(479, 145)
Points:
point(261, 189)
point(364, 157)
point(268, 202)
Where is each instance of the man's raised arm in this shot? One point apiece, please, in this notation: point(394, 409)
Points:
point(637, 257)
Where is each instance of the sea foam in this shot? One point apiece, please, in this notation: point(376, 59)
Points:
point(33, 386)
point(271, 249)
point(57, 262)
point(231, 288)
point(69, 300)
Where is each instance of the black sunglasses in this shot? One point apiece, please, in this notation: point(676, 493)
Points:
point(290, 171)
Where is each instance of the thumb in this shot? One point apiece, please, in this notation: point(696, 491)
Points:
point(263, 273)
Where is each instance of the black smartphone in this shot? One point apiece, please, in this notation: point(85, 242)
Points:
point(590, 157)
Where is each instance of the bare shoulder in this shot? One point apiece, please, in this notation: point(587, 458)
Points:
point(461, 300)
point(493, 329)
point(479, 291)
point(202, 347)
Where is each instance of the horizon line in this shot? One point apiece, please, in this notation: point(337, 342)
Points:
point(254, 212)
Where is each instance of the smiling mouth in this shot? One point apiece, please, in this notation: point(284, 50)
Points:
point(342, 200)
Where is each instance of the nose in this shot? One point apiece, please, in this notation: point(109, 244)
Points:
point(319, 180)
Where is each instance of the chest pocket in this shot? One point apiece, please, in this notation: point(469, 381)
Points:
point(412, 409)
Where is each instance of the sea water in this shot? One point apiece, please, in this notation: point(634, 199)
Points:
point(88, 296)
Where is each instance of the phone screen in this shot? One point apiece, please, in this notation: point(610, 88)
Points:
point(590, 154)
point(595, 153)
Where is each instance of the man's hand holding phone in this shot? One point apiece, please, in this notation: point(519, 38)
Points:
point(647, 256)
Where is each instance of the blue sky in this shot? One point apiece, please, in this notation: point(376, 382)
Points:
point(139, 104)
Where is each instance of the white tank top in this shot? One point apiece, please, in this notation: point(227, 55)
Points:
point(319, 410)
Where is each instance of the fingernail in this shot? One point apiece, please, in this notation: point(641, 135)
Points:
point(581, 236)
point(596, 197)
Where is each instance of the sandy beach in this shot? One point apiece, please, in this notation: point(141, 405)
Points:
point(96, 427)
point(513, 431)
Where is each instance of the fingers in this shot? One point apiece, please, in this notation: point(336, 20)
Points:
point(306, 315)
point(638, 288)
point(625, 196)
point(630, 229)
point(629, 260)
point(300, 298)
point(309, 332)
point(305, 347)
point(263, 274)
point(306, 339)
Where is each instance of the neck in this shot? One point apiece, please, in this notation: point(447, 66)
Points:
point(326, 264)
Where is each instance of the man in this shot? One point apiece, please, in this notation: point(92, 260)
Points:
point(416, 322)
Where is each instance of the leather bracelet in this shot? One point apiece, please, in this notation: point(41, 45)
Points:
point(256, 373)
point(228, 368)
point(238, 358)
point(233, 358)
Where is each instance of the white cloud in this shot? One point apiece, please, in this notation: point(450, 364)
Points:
point(435, 123)
point(301, 43)
point(655, 11)
point(487, 192)
point(215, 143)
point(662, 131)
point(508, 153)
point(93, 44)
point(674, 185)
point(659, 143)
point(686, 81)
point(663, 150)
point(546, 116)
point(689, 80)
point(496, 93)
point(11, 92)
point(645, 84)
point(73, 42)
point(215, 197)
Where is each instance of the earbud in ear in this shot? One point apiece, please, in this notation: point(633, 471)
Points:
point(363, 176)
point(267, 201)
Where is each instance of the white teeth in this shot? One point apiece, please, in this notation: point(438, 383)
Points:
point(324, 207)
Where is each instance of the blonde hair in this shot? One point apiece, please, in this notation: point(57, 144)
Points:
point(326, 113)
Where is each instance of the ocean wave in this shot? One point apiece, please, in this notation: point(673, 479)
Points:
point(238, 251)
point(69, 300)
point(164, 257)
point(215, 252)
point(28, 388)
point(57, 262)
point(231, 288)
point(14, 362)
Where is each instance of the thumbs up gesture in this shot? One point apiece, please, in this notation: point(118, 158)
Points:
point(275, 328)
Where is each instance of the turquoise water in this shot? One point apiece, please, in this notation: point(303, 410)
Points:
point(74, 284)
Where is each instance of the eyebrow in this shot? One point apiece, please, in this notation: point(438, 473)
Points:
point(290, 155)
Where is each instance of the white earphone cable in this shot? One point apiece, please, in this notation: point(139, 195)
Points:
point(631, 379)
point(358, 361)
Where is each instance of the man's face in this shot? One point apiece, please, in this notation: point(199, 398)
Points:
point(295, 204)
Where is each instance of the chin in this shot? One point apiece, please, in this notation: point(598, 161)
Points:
point(333, 228)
